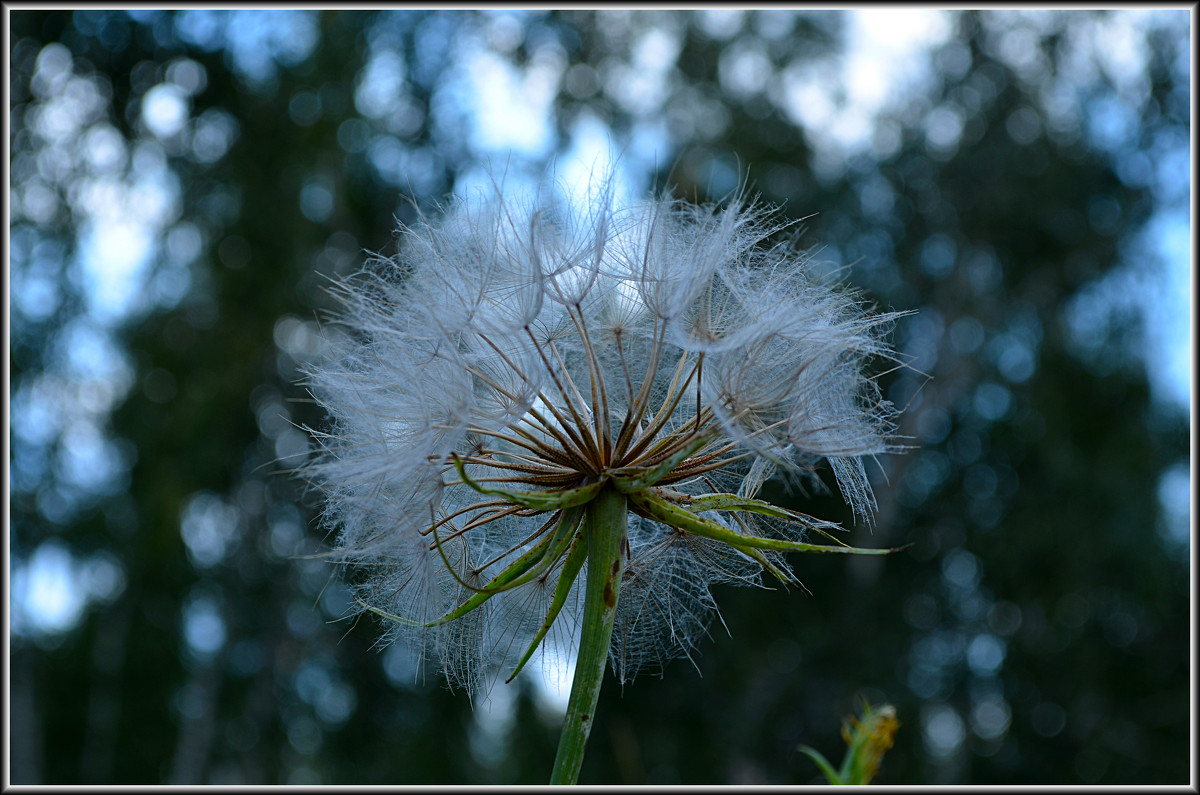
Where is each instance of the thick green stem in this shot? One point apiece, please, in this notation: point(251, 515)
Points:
point(604, 524)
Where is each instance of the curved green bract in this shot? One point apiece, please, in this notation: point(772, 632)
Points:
point(564, 534)
point(655, 507)
point(536, 561)
point(566, 578)
point(731, 502)
point(627, 484)
point(496, 585)
point(537, 500)
point(758, 557)
point(388, 615)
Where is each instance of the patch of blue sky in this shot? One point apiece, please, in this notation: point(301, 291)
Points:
point(255, 41)
point(51, 589)
point(115, 258)
point(1167, 307)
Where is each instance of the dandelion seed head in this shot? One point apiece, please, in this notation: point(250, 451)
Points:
point(530, 349)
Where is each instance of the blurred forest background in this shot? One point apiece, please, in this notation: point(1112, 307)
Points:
point(183, 184)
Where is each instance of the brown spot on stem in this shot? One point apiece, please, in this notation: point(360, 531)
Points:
point(610, 598)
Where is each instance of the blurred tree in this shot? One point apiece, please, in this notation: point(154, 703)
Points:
point(1036, 632)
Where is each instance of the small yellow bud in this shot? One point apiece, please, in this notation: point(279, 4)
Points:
point(868, 739)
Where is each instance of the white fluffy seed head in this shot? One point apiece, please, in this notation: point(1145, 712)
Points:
point(543, 347)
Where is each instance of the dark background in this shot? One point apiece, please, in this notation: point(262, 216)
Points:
point(184, 182)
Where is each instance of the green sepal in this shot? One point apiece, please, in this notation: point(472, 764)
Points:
point(564, 534)
point(758, 557)
point(388, 615)
point(570, 571)
point(515, 569)
point(653, 506)
point(495, 586)
point(537, 500)
point(627, 484)
point(525, 568)
point(723, 501)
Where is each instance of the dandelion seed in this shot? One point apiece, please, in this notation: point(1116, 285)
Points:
point(545, 427)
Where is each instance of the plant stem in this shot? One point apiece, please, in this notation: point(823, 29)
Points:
point(605, 523)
